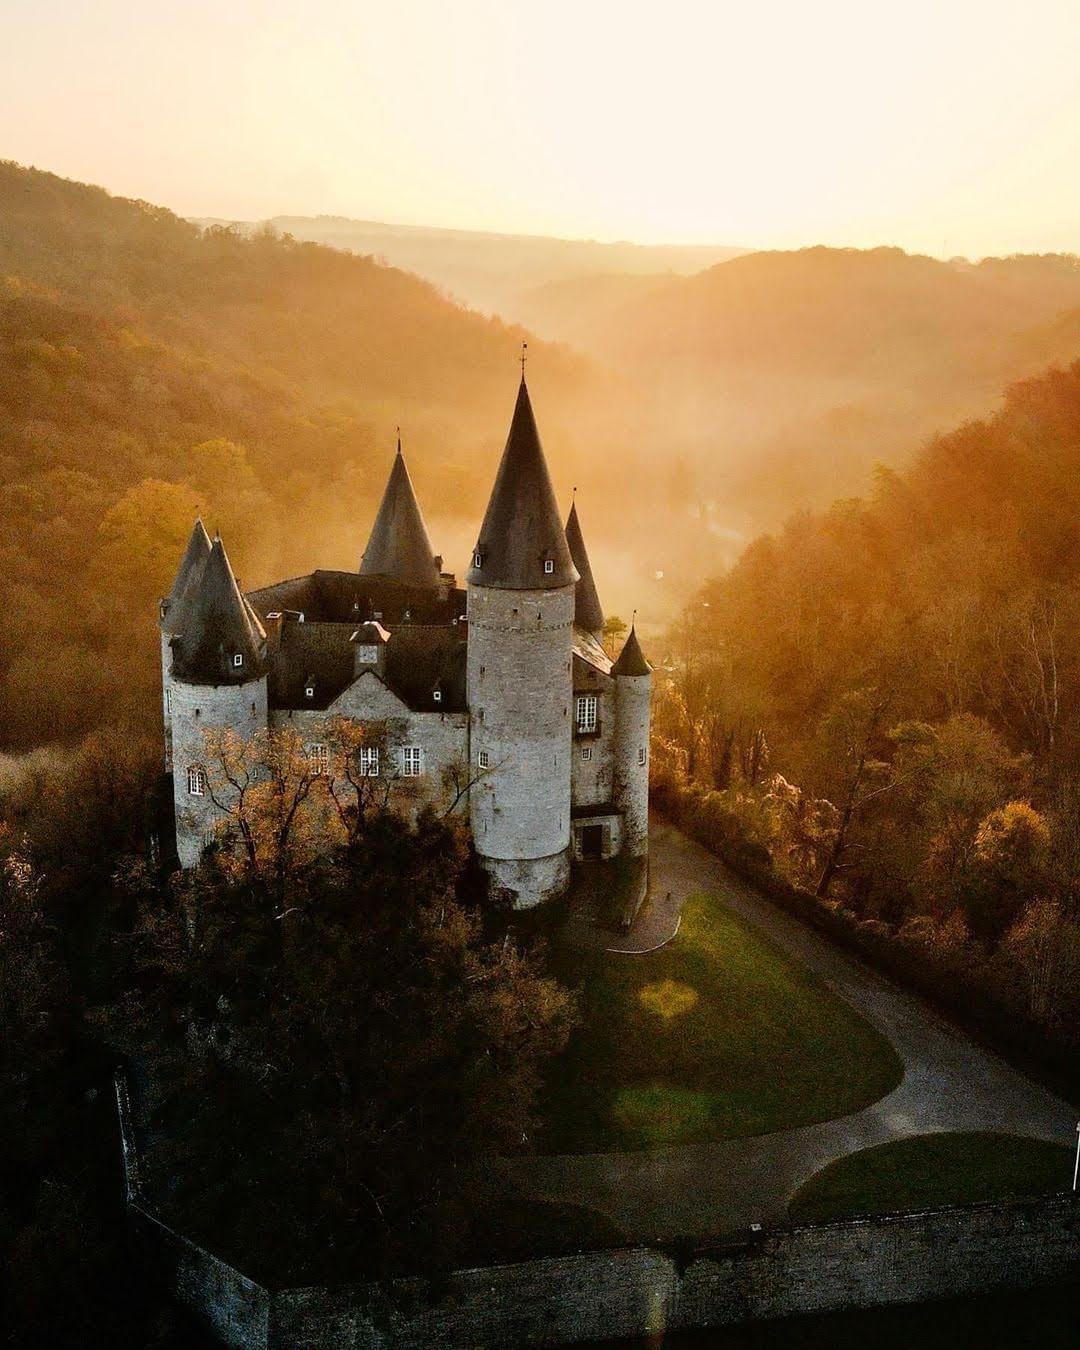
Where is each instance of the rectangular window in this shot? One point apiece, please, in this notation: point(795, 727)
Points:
point(238, 660)
point(483, 760)
point(641, 755)
point(586, 752)
point(368, 759)
point(319, 758)
point(549, 566)
point(412, 761)
point(586, 712)
point(196, 781)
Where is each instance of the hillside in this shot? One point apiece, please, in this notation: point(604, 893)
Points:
point(784, 376)
point(496, 273)
point(148, 369)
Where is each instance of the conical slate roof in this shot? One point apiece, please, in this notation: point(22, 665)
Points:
point(522, 530)
point(187, 574)
point(631, 659)
point(588, 613)
point(217, 626)
point(399, 546)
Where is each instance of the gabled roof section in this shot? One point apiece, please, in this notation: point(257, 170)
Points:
point(193, 560)
point(631, 659)
point(218, 625)
point(399, 546)
point(588, 613)
point(522, 530)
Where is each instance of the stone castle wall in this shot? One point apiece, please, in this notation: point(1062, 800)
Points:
point(520, 696)
point(635, 1292)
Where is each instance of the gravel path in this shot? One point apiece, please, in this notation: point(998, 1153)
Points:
point(720, 1189)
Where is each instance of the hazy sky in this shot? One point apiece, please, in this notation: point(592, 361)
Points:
point(943, 125)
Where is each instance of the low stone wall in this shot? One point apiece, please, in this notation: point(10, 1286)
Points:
point(630, 1292)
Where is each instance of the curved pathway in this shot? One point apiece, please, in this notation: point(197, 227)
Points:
point(719, 1189)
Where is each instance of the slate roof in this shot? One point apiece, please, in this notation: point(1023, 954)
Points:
point(195, 555)
point(588, 613)
point(631, 659)
point(217, 624)
point(587, 648)
point(320, 656)
point(347, 597)
point(522, 529)
point(399, 546)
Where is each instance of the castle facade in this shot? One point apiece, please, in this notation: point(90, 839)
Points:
point(502, 686)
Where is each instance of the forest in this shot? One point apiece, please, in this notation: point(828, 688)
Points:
point(880, 705)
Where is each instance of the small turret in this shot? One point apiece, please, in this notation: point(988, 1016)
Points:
point(633, 699)
point(588, 613)
point(399, 546)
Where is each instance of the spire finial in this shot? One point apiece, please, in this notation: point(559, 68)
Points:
point(524, 358)
point(399, 440)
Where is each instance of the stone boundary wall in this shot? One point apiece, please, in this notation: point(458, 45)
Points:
point(626, 1292)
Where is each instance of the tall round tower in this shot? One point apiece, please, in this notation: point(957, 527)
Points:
point(217, 682)
point(520, 685)
point(633, 698)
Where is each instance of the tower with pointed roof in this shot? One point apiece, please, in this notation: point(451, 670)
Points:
point(633, 712)
point(399, 546)
point(170, 616)
point(521, 600)
point(217, 681)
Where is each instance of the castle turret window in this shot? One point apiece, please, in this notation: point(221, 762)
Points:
point(319, 758)
point(483, 759)
point(412, 761)
point(586, 712)
point(642, 755)
point(368, 760)
point(478, 559)
point(549, 566)
point(586, 752)
point(436, 694)
point(196, 781)
point(238, 660)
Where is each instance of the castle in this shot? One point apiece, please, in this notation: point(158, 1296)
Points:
point(504, 683)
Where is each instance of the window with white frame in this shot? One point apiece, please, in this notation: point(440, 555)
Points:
point(642, 755)
point(478, 559)
point(238, 659)
point(586, 712)
point(483, 759)
point(196, 781)
point(549, 566)
point(368, 760)
point(436, 694)
point(586, 752)
point(319, 758)
point(412, 761)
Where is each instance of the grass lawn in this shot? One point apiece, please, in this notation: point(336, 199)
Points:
point(718, 1034)
point(933, 1169)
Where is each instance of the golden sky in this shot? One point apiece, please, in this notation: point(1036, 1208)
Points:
point(946, 127)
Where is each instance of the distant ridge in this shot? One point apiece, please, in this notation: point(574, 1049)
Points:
point(489, 270)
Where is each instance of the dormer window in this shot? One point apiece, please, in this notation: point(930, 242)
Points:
point(478, 559)
point(309, 691)
point(238, 660)
point(436, 694)
point(549, 566)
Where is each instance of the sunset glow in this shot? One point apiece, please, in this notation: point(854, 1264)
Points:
point(945, 128)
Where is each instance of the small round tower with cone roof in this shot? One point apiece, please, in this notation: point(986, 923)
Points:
point(170, 618)
point(633, 698)
point(217, 682)
point(519, 675)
